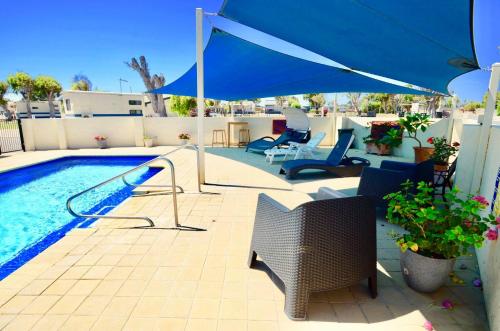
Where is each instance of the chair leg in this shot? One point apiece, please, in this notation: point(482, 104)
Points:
point(252, 257)
point(372, 286)
point(296, 301)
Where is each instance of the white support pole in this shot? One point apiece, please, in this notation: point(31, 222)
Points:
point(200, 79)
point(334, 120)
point(484, 134)
point(451, 119)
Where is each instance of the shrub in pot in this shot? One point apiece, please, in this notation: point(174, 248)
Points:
point(413, 123)
point(384, 136)
point(442, 152)
point(437, 232)
point(184, 137)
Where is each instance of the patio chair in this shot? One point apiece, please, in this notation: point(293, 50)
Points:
point(298, 130)
point(265, 143)
point(443, 179)
point(337, 163)
point(320, 245)
point(378, 182)
point(296, 149)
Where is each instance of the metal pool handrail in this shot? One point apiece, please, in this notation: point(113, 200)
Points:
point(122, 175)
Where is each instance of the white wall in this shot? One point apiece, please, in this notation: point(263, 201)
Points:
point(43, 134)
point(362, 129)
point(489, 255)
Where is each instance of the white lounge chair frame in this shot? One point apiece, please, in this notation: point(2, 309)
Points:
point(296, 149)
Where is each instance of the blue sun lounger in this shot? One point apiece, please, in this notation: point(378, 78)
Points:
point(337, 163)
point(286, 137)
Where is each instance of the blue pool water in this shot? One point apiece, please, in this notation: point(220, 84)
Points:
point(33, 211)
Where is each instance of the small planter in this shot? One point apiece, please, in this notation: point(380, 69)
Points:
point(149, 142)
point(380, 149)
point(423, 153)
point(184, 142)
point(102, 144)
point(424, 274)
point(440, 167)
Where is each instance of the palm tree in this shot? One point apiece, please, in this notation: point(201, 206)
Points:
point(151, 83)
point(81, 83)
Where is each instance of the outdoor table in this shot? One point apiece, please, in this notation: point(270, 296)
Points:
point(229, 124)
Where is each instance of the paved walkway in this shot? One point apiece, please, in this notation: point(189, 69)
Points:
point(114, 276)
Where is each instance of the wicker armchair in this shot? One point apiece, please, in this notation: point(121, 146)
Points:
point(320, 245)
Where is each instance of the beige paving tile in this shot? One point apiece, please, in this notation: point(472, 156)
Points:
point(110, 323)
point(121, 306)
point(41, 304)
point(66, 305)
point(60, 287)
point(231, 325)
point(201, 325)
point(36, 287)
point(262, 326)
point(177, 307)
point(171, 324)
point(149, 307)
point(131, 288)
point(83, 287)
point(75, 272)
point(93, 305)
point(16, 304)
point(205, 308)
point(108, 287)
point(157, 288)
point(79, 323)
point(50, 322)
point(22, 322)
point(97, 272)
point(261, 310)
point(234, 309)
point(349, 313)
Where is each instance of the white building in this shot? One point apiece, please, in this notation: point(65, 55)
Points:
point(93, 104)
point(39, 109)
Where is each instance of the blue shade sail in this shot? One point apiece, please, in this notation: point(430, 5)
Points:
point(421, 42)
point(236, 69)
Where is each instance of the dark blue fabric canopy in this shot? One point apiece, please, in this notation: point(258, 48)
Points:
point(421, 42)
point(236, 69)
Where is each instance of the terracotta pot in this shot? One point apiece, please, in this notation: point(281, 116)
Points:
point(372, 148)
point(423, 153)
point(440, 166)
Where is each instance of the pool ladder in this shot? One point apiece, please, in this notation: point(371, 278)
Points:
point(123, 175)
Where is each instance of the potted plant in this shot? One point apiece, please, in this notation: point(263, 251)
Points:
point(384, 136)
point(148, 141)
point(436, 232)
point(101, 141)
point(442, 152)
point(414, 123)
point(184, 137)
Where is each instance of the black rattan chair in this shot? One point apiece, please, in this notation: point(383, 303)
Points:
point(320, 245)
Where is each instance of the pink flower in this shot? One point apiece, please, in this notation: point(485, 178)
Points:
point(468, 223)
point(447, 304)
point(430, 140)
point(428, 326)
point(482, 200)
point(492, 234)
point(498, 219)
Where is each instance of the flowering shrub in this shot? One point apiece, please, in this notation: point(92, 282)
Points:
point(442, 150)
point(437, 228)
point(100, 138)
point(186, 136)
point(385, 133)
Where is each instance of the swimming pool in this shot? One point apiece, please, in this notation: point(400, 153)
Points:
point(33, 211)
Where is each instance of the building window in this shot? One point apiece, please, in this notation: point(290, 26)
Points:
point(68, 105)
point(135, 102)
point(135, 112)
point(34, 107)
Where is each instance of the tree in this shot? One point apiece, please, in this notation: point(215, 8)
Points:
point(23, 84)
point(497, 103)
point(81, 83)
point(472, 106)
point(294, 102)
point(182, 105)
point(151, 83)
point(316, 100)
point(355, 101)
point(4, 87)
point(280, 101)
point(48, 88)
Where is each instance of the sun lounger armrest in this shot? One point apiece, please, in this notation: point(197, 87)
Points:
point(267, 137)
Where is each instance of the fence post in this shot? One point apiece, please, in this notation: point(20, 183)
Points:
point(21, 136)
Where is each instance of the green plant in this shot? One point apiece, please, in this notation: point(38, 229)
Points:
point(384, 133)
point(437, 228)
point(182, 105)
point(413, 123)
point(442, 150)
point(186, 136)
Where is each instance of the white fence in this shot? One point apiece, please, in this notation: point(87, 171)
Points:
point(72, 133)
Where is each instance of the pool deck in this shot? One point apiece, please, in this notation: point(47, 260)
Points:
point(116, 276)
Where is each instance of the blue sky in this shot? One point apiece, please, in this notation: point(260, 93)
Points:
point(62, 38)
